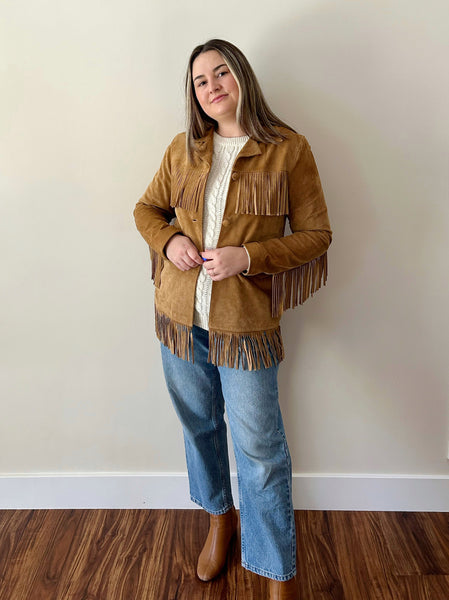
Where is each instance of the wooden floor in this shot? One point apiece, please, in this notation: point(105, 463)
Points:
point(151, 555)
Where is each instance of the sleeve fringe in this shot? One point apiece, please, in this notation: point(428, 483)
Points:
point(157, 264)
point(178, 338)
point(294, 286)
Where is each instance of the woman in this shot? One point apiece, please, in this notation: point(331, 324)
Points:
point(214, 218)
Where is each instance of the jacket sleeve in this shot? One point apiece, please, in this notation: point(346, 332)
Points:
point(311, 234)
point(153, 212)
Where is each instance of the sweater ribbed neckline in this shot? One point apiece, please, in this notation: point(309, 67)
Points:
point(229, 141)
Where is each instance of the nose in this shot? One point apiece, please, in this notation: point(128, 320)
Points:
point(214, 87)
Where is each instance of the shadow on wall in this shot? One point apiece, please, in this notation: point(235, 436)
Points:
point(346, 75)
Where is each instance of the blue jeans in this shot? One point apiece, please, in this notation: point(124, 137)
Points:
point(199, 392)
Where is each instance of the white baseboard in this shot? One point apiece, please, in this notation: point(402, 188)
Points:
point(170, 490)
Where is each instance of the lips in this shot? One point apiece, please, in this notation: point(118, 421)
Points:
point(218, 98)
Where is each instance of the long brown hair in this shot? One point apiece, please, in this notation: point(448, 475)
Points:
point(254, 116)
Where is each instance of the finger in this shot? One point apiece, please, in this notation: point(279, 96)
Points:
point(190, 264)
point(181, 265)
point(187, 264)
point(210, 269)
point(218, 276)
point(208, 265)
point(193, 256)
point(208, 254)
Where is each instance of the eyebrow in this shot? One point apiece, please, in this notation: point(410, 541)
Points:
point(214, 69)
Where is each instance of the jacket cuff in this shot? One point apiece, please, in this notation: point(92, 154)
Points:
point(162, 237)
point(245, 272)
point(256, 255)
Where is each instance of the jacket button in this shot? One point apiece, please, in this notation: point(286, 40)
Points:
point(225, 222)
point(234, 176)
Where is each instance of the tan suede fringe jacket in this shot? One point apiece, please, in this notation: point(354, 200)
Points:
point(269, 183)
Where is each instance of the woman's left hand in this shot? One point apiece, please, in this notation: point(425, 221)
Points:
point(225, 262)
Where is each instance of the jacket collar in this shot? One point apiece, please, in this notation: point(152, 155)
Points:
point(205, 147)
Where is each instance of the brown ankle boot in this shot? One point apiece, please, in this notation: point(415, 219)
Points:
point(213, 555)
point(283, 590)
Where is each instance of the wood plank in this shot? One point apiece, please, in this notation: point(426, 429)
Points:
point(26, 555)
point(152, 554)
point(317, 562)
point(363, 556)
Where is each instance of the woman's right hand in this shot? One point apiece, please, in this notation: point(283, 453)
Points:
point(182, 252)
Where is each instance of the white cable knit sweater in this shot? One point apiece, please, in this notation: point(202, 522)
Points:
point(225, 153)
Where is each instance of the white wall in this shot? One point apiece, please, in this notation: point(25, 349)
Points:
point(91, 94)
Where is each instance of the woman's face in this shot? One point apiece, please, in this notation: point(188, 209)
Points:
point(215, 87)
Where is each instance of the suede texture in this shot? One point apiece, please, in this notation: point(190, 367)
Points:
point(269, 184)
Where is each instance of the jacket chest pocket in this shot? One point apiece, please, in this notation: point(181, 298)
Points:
point(261, 193)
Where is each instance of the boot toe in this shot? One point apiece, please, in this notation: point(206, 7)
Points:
point(283, 590)
point(213, 556)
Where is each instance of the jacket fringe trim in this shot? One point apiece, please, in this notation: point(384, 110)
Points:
point(187, 189)
point(263, 194)
point(178, 338)
point(248, 351)
point(157, 264)
point(294, 286)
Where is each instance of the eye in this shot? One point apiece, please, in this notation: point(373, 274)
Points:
point(201, 83)
point(221, 73)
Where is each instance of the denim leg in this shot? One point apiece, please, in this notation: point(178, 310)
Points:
point(264, 471)
point(195, 390)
